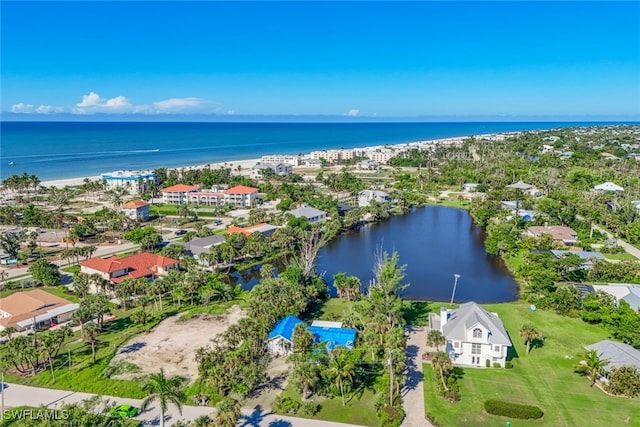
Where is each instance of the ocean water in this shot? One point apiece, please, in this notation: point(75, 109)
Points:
point(58, 150)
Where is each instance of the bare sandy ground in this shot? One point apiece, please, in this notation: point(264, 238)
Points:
point(173, 343)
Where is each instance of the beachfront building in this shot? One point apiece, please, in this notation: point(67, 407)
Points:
point(135, 182)
point(34, 309)
point(261, 169)
point(312, 214)
point(241, 196)
point(365, 197)
point(136, 210)
point(383, 155)
point(116, 269)
point(177, 194)
point(559, 233)
point(281, 158)
point(334, 156)
point(474, 336)
point(367, 165)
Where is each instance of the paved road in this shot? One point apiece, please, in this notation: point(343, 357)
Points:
point(627, 247)
point(413, 391)
point(18, 395)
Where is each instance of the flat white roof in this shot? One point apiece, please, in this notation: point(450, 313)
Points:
point(326, 324)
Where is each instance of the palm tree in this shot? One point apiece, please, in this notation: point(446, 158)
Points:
point(442, 361)
point(593, 365)
point(435, 339)
point(341, 369)
point(228, 413)
point(164, 390)
point(90, 332)
point(530, 334)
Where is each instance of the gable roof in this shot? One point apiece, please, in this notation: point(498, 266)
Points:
point(27, 305)
point(180, 188)
point(139, 265)
point(248, 231)
point(241, 189)
point(470, 314)
point(608, 186)
point(307, 212)
point(285, 327)
point(558, 232)
point(618, 354)
point(520, 185)
point(135, 204)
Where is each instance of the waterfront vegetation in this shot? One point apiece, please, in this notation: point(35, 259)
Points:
point(358, 386)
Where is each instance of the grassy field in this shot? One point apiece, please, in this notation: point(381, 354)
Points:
point(358, 409)
point(545, 378)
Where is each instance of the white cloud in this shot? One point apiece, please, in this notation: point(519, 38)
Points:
point(353, 112)
point(93, 103)
point(49, 109)
point(231, 112)
point(22, 108)
point(186, 105)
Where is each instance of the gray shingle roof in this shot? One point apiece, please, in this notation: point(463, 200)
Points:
point(470, 314)
point(307, 212)
point(618, 354)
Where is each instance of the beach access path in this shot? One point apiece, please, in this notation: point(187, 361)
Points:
point(413, 391)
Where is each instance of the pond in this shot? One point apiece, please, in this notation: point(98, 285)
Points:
point(434, 242)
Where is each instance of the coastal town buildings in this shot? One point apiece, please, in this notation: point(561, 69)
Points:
point(264, 229)
point(135, 182)
point(474, 336)
point(34, 309)
point(136, 210)
point(199, 245)
point(281, 169)
point(282, 158)
point(239, 196)
point(116, 269)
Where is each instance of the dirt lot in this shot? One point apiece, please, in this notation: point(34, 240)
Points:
point(172, 344)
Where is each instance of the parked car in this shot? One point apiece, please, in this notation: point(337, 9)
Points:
point(180, 232)
point(124, 411)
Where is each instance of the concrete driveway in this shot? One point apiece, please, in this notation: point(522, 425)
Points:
point(413, 391)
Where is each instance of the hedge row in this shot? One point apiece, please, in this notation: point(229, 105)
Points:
point(513, 410)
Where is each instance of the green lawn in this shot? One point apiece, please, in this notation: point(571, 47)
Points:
point(622, 257)
point(359, 408)
point(544, 378)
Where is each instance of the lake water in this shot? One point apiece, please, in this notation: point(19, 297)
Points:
point(435, 243)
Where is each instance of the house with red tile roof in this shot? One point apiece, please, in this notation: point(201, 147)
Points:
point(177, 194)
point(241, 196)
point(136, 210)
point(116, 269)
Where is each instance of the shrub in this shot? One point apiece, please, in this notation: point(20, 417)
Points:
point(390, 416)
point(309, 409)
point(496, 365)
point(286, 405)
point(513, 410)
point(508, 365)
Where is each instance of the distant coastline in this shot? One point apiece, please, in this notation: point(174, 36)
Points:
point(70, 151)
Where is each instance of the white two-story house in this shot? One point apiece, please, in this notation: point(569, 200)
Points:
point(474, 336)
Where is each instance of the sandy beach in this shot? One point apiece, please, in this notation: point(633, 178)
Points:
point(245, 169)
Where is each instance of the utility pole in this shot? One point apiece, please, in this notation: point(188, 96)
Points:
point(2, 391)
point(455, 283)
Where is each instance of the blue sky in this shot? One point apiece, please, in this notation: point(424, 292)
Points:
point(493, 60)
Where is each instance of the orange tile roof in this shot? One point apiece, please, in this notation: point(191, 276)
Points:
point(241, 189)
point(247, 231)
point(24, 305)
point(138, 265)
point(180, 188)
point(134, 204)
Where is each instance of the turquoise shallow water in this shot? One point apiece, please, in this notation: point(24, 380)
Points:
point(57, 150)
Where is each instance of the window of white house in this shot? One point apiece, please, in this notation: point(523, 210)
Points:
point(497, 348)
point(456, 344)
point(475, 348)
point(477, 333)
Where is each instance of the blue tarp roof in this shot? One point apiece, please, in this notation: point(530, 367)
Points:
point(334, 336)
point(285, 327)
